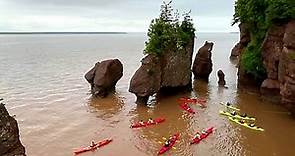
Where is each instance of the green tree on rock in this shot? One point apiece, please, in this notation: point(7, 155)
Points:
point(167, 32)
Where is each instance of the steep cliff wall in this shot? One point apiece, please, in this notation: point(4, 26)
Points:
point(287, 67)
point(278, 56)
point(244, 40)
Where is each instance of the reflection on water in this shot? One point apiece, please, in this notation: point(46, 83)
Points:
point(106, 107)
point(43, 85)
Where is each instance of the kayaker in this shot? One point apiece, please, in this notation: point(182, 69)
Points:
point(167, 143)
point(92, 144)
point(244, 115)
point(197, 136)
point(233, 113)
point(150, 121)
point(252, 124)
point(204, 132)
point(141, 122)
point(242, 121)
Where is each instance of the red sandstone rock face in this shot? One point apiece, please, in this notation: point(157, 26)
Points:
point(176, 67)
point(104, 76)
point(244, 40)
point(171, 71)
point(287, 75)
point(147, 79)
point(271, 52)
point(10, 144)
point(202, 66)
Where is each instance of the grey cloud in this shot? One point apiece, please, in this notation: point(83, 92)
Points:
point(121, 11)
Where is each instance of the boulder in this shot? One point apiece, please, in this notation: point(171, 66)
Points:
point(202, 66)
point(170, 71)
point(10, 144)
point(221, 81)
point(104, 76)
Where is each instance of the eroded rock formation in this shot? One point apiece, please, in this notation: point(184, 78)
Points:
point(104, 76)
point(244, 40)
point(287, 67)
point(202, 66)
point(271, 51)
point(147, 79)
point(168, 71)
point(278, 55)
point(221, 81)
point(10, 144)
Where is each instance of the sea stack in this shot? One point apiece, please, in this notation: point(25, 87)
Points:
point(104, 76)
point(221, 81)
point(202, 66)
point(166, 68)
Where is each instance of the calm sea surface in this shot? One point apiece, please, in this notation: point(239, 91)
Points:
point(42, 82)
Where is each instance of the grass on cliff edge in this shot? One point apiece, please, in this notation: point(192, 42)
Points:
point(168, 32)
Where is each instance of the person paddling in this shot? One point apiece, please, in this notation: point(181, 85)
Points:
point(252, 124)
point(168, 142)
point(150, 121)
point(197, 136)
point(233, 113)
point(92, 144)
point(141, 122)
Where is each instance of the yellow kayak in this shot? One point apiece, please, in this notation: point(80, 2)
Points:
point(245, 124)
point(230, 107)
point(236, 116)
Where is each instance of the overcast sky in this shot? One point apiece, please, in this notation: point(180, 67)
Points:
point(108, 15)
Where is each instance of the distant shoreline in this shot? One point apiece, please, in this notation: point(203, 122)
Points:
point(49, 33)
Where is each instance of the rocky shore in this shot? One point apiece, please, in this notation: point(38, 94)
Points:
point(278, 56)
point(10, 144)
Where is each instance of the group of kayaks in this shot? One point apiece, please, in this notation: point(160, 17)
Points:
point(241, 119)
point(169, 143)
point(231, 113)
point(199, 136)
point(184, 103)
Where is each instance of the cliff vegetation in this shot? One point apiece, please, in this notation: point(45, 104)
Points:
point(260, 15)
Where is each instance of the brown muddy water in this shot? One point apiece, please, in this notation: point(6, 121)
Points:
point(42, 83)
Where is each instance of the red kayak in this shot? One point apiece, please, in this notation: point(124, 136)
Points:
point(164, 149)
point(146, 123)
point(200, 101)
point(89, 148)
point(202, 136)
point(185, 107)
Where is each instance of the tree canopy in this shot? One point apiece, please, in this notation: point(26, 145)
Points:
point(168, 31)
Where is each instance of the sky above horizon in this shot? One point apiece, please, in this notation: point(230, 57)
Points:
point(108, 15)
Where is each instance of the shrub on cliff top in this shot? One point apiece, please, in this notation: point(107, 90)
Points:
point(168, 32)
point(260, 15)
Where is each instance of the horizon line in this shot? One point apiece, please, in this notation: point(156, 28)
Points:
point(90, 32)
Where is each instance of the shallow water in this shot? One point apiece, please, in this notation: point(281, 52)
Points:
point(42, 83)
